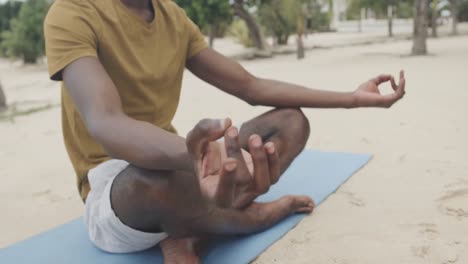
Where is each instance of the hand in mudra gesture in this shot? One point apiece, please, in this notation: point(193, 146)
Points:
point(368, 93)
point(255, 170)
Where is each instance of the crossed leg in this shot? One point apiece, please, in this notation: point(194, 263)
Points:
point(157, 201)
point(288, 129)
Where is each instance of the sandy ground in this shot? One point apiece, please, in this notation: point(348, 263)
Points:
point(409, 205)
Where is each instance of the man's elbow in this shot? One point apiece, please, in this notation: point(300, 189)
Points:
point(95, 129)
point(98, 127)
point(251, 101)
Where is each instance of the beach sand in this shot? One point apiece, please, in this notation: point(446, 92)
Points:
point(408, 205)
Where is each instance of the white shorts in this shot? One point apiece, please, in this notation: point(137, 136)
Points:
point(105, 229)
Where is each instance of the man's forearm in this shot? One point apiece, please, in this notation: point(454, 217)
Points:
point(141, 143)
point(281, 94)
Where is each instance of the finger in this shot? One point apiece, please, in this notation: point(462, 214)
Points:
point(394, 86)
point(205, 131)
point(402, 84)
point(243, 200)
point(273, 162)
point(389, 99)
point(226, 186)
point(233, 150)
point(260, 162)
point(399, 93)
point(382, 78)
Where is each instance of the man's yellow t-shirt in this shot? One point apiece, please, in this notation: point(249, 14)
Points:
point(145, 61)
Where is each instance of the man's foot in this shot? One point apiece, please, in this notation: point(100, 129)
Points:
point(289, 204)
point(301, 204)
point(180, 251)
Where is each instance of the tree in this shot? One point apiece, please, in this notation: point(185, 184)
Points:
point(3, 105)
point(207, 13)
point(454, 6)
point(25, 39)
point(8, 11)
point(240, 10)
point(300, 32)
point(434, 17)
point(331, 14)
point(279, 17)
point(463, 11)
point(383, 8)
point(390, 20)
point(420, 27)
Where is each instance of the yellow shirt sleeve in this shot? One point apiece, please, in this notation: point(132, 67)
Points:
point(71, 31)
point(197, 41)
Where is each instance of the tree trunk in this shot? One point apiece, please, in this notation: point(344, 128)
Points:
point(420, 27)
point(29, 59)
point(212, 34)
point(362, 15)
point(300, 42)
point(300, 48)
point(435, 16)
point(2, 99)
point(454, 11)
point(282, 39)
point(254, 29)
point(390, 20)
point(331, 14)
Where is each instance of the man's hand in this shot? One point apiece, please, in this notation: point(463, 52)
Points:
point(255, 171)
point(368, 94)
point(213, 158)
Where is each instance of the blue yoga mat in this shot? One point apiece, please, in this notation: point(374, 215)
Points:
point(313, 173)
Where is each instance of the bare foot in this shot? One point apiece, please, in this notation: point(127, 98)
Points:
point(301, 203)
point(180, 251)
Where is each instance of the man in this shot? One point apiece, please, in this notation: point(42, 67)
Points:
point(121, 63)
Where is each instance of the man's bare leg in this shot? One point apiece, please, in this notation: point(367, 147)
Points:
point(287, 128)
point(170, 201)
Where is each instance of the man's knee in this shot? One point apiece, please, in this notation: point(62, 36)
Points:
point(297, 122)
point(134, 197)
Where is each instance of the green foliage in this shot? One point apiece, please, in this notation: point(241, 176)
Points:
point(463, 12)
point(206, 12)
point(25, 39)
point(405, 9)
point(8, 11)
point(281, 17)
point(319, 21)
point(240, 32)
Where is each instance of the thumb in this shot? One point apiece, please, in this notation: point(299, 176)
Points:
point(205, 131)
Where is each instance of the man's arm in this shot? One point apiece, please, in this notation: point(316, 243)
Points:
point(232, 78)
point(122, 137)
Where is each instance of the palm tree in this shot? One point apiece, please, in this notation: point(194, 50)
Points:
point(420, 27)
